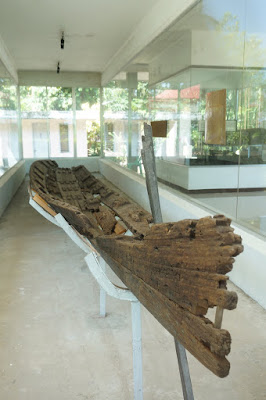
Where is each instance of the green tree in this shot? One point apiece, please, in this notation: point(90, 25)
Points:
point(8, 95)
point(115, 99)
point(59, 98)
point(33, 98)
point(88, 96)
point(140, 100)
point(93, 138)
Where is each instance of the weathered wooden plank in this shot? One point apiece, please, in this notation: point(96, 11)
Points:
point(219, 317)
point(92, 203)
point(85, 223)
point(44, 205)
point(186, 284)
point(208, 344)
point(106, 220)
point(199, 255)
point(135, 217)
point(120, 228)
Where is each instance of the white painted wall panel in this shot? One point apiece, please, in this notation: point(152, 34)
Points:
point(9, 184)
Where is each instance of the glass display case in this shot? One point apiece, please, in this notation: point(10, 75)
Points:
point(207, 80)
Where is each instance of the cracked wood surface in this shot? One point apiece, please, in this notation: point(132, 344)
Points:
point(177, 270)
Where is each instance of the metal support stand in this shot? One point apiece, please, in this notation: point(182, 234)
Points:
point(80, 242)
point(85, 245)
point(43, 212)
point(184, 371)
point(148, 158)
point(97, 267)
point(123, 294)
point(137, 349)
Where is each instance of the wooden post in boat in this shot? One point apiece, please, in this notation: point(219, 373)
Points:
point(148, 158)
point(218, 317)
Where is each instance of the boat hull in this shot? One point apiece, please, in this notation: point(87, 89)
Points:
point(176, 270)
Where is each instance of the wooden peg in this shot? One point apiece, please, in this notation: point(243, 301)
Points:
point(218, 317)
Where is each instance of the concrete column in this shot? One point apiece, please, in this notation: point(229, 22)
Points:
point(20, 144)
point(102, 121)
point(74, 121)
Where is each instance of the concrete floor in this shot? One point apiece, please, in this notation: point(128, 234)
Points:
point(54, 345)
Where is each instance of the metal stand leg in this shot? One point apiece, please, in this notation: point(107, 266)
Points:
point(137, 349)
point(97, 270)
point(72, 233)
point(43, 212)
point(97, 266)
point(184, 371)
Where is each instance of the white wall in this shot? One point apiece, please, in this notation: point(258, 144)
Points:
point(174, 173)
point(9, 184)
point(82, 138)
point(54, 129)
point(249, 271)
point(212, 177)
point(226, 177)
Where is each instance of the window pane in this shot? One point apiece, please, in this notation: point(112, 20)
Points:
point(115, 102)
point(35, 129)
point(207, 80)
point(9, 138)
point(59, 102)
point(88, 122)
point(251, 209)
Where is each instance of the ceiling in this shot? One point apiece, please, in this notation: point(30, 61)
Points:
point(94, 31)
point(105, 37)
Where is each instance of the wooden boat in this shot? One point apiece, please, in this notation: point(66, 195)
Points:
point(177, 270)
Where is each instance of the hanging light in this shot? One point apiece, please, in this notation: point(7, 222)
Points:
point(58, 67)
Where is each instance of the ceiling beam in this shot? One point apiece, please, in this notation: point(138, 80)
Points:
point(7, 61)
point(161, 16)
point(65, 78)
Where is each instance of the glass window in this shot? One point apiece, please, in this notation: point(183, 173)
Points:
point(207, 80)
point(251, 201)
point(60, 114)
point(88, 122)
point(200, 73)
point(125, 111)
point(115, 103)
point(44, 110)
point(9, 133)
point(34, 115)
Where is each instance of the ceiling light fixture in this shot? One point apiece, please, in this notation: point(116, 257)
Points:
point(63, 41)
point(58, 67)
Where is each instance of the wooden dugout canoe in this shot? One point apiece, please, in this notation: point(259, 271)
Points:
point(177, 270)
